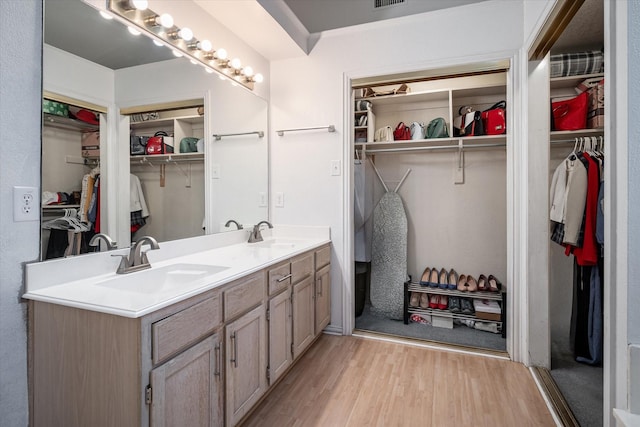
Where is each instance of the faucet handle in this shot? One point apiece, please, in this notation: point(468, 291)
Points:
point(124, 263)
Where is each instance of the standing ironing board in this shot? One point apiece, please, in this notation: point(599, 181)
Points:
point(389, 253)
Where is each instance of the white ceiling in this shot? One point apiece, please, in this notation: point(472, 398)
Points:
point(277, 29)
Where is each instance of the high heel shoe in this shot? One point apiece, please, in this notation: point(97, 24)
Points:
point(424, 300)
point(453, 279)
point(434, 301)
point(424, 279)
point(443, 302)
point(462, 283)
point(472, 285)
point(482, 283)
point(443, 279)
point(414, 301)
point(433, 278)
point(494, 284)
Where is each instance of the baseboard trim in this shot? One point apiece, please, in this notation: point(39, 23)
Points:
point(553, 396)
point(434, 345)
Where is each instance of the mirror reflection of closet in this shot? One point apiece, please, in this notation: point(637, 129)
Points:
point(95, 64)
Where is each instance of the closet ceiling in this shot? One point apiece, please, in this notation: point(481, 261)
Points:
point(276, 29)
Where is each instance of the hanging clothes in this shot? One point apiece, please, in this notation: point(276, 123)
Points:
point(138, 205)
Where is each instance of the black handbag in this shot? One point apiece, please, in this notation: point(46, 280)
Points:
point(137, 145)
point(468, 123)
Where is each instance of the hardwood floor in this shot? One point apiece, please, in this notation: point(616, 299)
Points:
point(349, 381)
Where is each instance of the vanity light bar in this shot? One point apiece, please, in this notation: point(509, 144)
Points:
point(158, 28)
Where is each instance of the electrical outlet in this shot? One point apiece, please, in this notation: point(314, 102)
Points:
point(335, 167)
point(25, 204)
point(263, 200)
point(215, 171)
point(279, 200)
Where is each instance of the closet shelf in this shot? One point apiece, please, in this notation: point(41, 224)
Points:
point(167, 158)
point(569, 135)
point(68, 123)
point(435, 143)
point(571, 81)
point(447, 313)
point(415, 287)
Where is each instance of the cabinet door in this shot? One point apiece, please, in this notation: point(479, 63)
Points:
point(279, 334)
point(187, 389)
point(303, 315)
point(246, 366)
point(323, 298)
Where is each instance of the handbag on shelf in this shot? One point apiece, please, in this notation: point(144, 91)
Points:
point(417, 130)
point(160, 143)
point(138, 145)
point(402, 132)
point(437, 128)
point(570, 114)
point(494, 119)
point(468, 123)
point(189, 145)
point(384, 134)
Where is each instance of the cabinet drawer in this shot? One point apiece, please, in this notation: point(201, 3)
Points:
point(245, 294)
point(279, 277)
point(185, 328)
point(301, 267)
point(323, 257)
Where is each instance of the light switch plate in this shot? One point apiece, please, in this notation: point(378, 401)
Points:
point(263, 200)
point(215, 171)
point(279, 200)
point(335, 168)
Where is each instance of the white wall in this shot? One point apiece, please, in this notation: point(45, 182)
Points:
point(20, 110)
point(310, 91)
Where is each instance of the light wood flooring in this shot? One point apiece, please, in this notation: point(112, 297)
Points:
point(350, 381)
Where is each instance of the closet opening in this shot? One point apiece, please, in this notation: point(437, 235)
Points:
point(430, 205)
point(576, 161)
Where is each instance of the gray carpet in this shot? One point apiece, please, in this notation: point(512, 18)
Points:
point(580, 384)
point(460, 335)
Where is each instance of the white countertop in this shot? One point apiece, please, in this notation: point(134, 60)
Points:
point(126, 294)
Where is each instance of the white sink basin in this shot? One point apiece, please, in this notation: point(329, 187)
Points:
point(162, 279)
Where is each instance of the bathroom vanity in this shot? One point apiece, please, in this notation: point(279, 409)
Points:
point(197, 339)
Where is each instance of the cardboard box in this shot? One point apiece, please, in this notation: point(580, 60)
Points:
point(595, 111)
point(487, 309)
point(90, 144)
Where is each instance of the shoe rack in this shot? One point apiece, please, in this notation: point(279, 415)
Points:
point(410, 287)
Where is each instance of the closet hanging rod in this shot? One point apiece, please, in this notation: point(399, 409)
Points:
point(165, 160)
point(434, 147)
point(330, 128)
point(218, 137)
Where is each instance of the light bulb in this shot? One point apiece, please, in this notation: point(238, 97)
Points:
point(185, 34)
point(140, 4)
point(105, 15)
point(176, 53)
point(221, 54)
point(258, 78)
point(205, 46)
point(165, 20)
point(157, 43)
point(247, 71)
point(133, 31)
point(235, 63)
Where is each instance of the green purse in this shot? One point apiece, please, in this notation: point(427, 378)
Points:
point(437, 128)
point(188, 145)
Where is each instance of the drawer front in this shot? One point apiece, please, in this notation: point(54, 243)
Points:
point(279, 277)
point(323, 257)
point(185, 328)
point(301, 267)
point(243, 295)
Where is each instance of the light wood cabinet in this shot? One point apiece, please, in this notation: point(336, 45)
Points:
point(279, 318)
point(187, 390)
point(246, 367)
point(323, 298)
point(303, 315)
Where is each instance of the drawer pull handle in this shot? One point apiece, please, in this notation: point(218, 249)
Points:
point(217, 353)
point(234, 360)
point(283, 278)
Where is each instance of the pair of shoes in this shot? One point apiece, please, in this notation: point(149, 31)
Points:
point(453, 279)
point(424, 300)
point(466, 306)
point(483, 285)
point(414, 300)
point(433, 278)
point(466, 283)
point(454, 304)
point(443, 280)
point(494, 284)
point(362, 121)
point(424, 279)
point(440, 302)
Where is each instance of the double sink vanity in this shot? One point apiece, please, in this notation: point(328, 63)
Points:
point(196, 339)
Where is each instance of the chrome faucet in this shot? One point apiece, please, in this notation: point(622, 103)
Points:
point(95, 241)
point(137, 260)
point(256, 235)
point(232, 221)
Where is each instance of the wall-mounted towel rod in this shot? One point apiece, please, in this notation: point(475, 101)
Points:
point(218, 137)
point(330, 128)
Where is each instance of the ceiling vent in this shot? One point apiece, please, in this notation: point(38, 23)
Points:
point(377, 4)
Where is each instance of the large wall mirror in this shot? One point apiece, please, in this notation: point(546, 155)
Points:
point(129, 144)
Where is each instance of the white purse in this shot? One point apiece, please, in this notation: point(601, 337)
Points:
point(384, 134)
point(417, 130)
